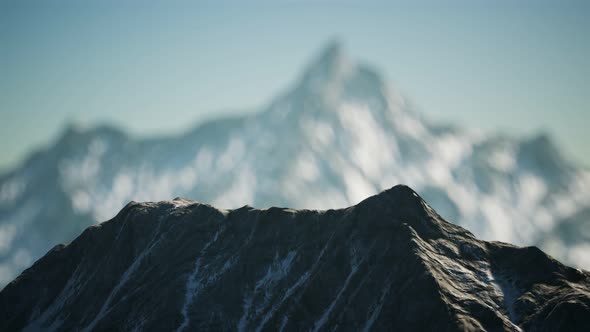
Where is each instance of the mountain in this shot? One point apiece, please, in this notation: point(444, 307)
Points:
point(338, 135)
point(388, 263)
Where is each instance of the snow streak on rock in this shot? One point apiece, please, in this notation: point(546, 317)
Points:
point(193, 285)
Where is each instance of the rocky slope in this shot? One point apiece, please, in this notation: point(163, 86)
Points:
point(388, 263)
point(339, 135)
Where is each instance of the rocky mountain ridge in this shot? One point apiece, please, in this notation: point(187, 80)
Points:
point(388, 263)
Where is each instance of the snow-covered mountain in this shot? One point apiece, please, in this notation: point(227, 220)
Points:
point(389, 263)
point(339, 135)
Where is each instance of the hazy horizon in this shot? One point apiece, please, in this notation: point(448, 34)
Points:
point(502, 67)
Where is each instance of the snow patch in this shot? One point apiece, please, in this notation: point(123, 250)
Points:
point(503, 160)
point(532, 190)
point(232, 155)
point(357, 187)
point(80, 172)
point(371, 149)
point(275, 272)
point(241, 190)
point(7, 235)
point(193, 285)
point(579, 254)
point(11, 190)
point(306, 168)
point(300, 282)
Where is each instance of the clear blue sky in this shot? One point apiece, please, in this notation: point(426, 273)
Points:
point(157, 67)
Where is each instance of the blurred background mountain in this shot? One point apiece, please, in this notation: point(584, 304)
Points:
point(102, 103)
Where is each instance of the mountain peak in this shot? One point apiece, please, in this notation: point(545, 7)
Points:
point(330, 64)
point(400, 194)
point(333, 50)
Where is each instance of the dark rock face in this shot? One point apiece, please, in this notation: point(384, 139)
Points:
point(388, 263)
